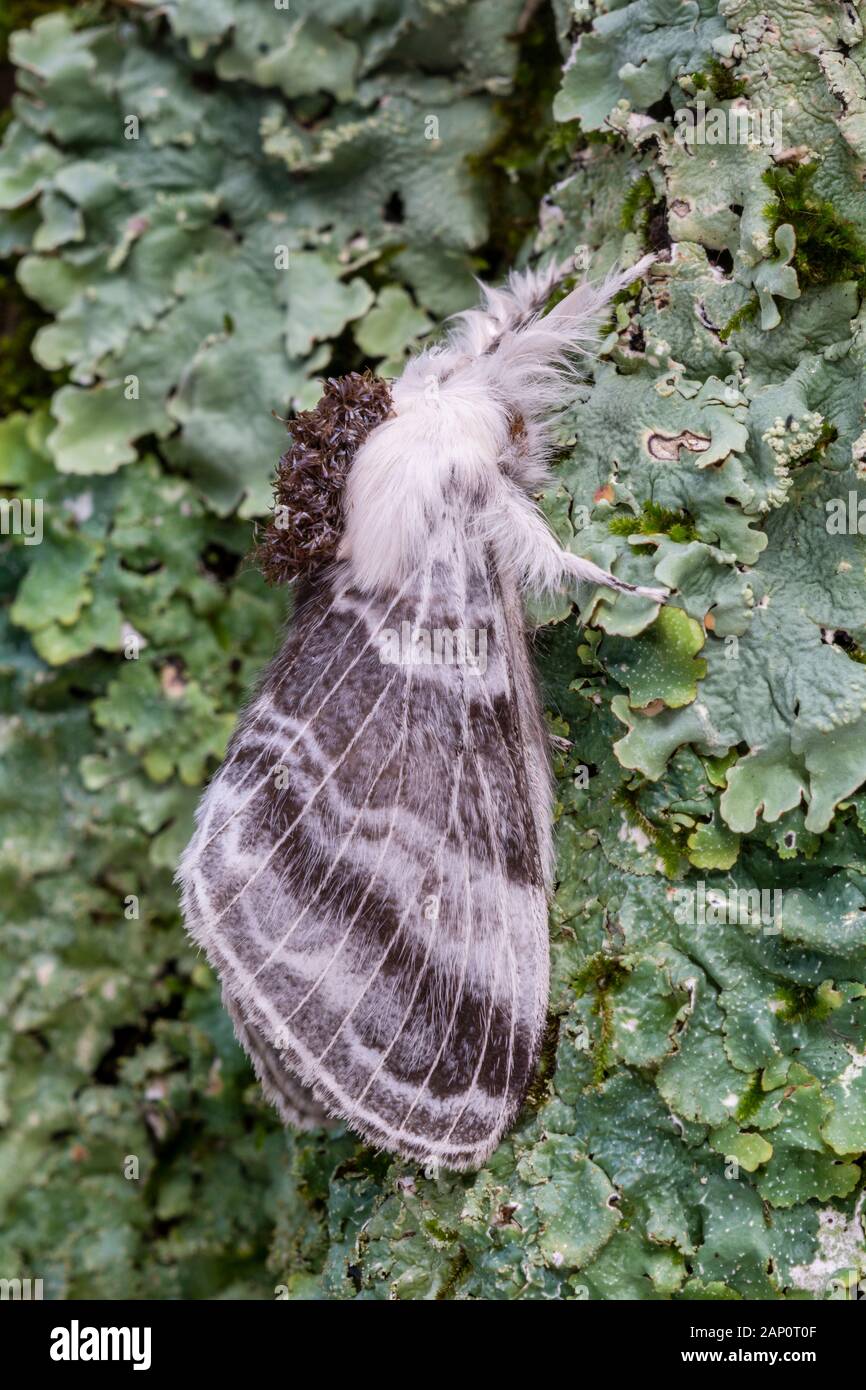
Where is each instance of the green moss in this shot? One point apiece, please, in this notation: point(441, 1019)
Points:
point(645, 213)
point(829, 248)
point(561, 142)
point(602, 974)
point(628, 296)
point(600, 970)
point(719, 80)
point(747, 313)
point(458, 1268)
point(635, 210)
point(807, 1003)
point(750, 1100)
point(653, 521)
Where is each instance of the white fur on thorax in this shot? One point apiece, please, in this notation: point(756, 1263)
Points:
point(444, 436)
point(452, 432)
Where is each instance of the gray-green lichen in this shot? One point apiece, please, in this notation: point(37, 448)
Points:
point(302, 195)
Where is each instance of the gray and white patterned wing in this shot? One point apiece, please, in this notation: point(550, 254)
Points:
point(367, 874)
point(294, 1102)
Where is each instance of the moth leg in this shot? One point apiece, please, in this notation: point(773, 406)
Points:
point(524, 542)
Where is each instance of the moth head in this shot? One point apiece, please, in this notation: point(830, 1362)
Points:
point(308, 516)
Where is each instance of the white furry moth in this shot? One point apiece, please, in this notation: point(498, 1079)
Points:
point(371, 864)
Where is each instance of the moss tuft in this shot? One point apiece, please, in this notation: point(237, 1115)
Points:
point(603, 974)
point(805, 1003)
point(747, 313)
point(634, 213)
point(720, 81)
point(828, 246)
point(653, 521)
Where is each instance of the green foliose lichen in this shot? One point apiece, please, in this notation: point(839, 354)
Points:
point(696, 1130)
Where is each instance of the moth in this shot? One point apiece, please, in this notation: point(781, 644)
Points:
point(371, 866)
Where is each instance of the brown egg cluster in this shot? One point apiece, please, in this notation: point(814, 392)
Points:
point(308, 489)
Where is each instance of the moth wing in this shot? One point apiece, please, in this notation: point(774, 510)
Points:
point(294, 1102)
point(367, 872)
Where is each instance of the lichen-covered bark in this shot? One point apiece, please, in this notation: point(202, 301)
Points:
point(700, 1121)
